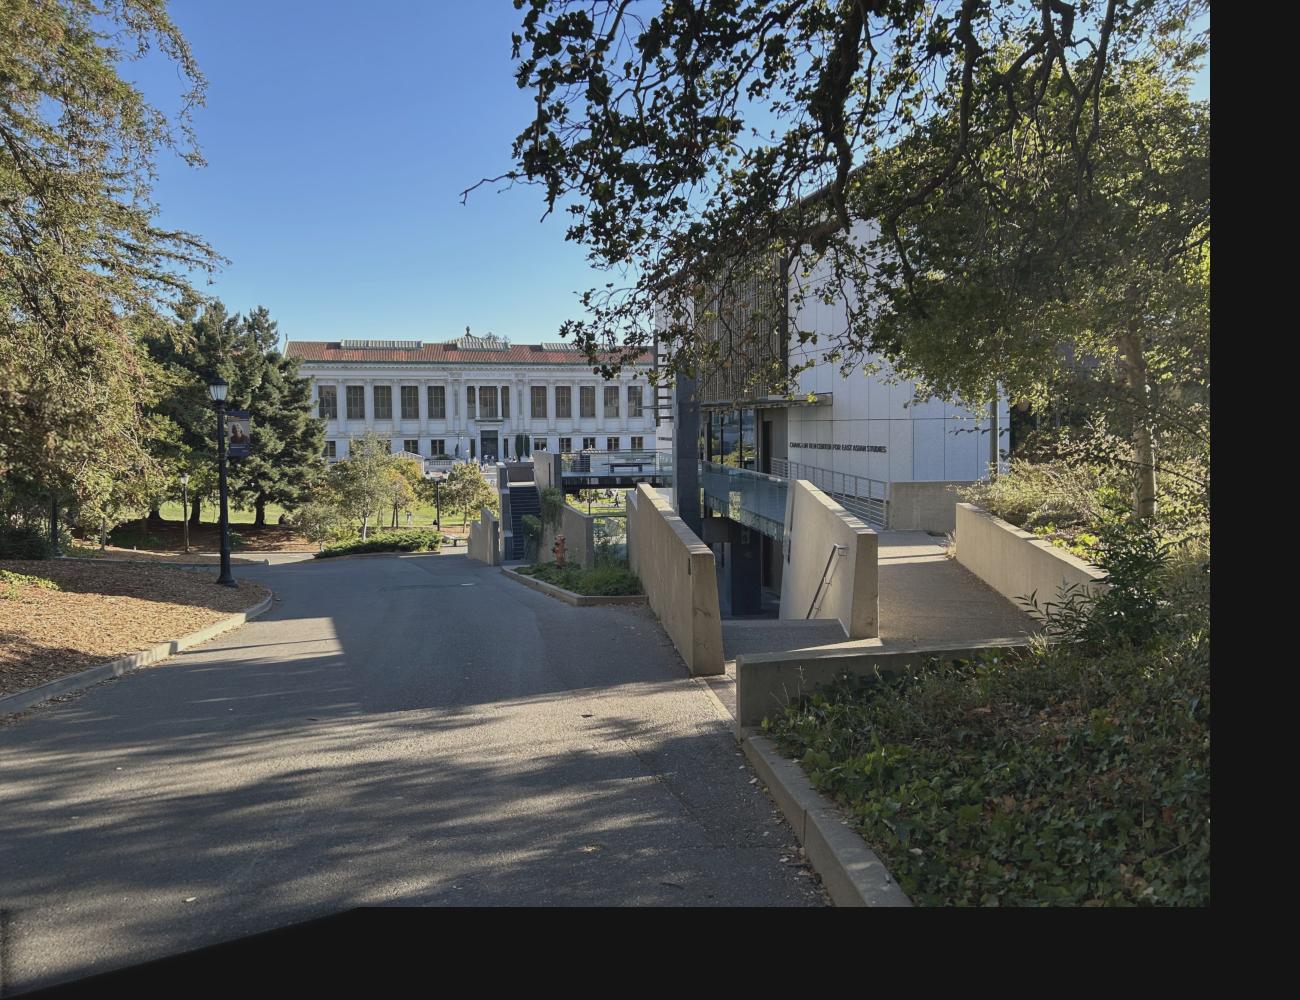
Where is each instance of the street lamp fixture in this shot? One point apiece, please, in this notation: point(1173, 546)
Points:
point(185, 508)
point(217, 388)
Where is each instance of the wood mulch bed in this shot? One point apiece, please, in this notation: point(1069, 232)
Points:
point(101, 612)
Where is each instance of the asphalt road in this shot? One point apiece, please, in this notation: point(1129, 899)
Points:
point(414, 730)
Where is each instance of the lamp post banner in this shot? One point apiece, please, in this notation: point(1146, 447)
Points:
point(239, 433)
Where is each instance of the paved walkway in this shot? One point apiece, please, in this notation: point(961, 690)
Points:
point(926, 599)
point(403, 730)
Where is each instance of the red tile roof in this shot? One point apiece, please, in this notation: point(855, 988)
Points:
point(447, 353)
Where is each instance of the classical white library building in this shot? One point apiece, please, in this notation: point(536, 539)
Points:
point(471, 397)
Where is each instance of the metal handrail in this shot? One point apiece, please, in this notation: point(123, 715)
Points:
point(868, 498)
point(827, 574)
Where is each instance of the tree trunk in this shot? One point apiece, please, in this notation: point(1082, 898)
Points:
point(1135, 374)
point(54, 524)
point(365, 524)
point(155, 515)
point(259, 512)
point(194, 513)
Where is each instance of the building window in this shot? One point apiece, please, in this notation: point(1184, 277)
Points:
point(611, 444)
point(487, 402)
point(634, 401)
point(472, 442)
point(638, 444)
point(539, 444)
point(611, 401)
point(437, 448)
point(412, 446)
point(539, 401)
point(356, 402)
point(469, 408)
point(588, 444)
point(410, 402)
point(329, 402)
point(331, 449)
point(505, 402)
point(586, 401)
point(566, 445)
point(564, 401)
point(437, 402)
point(383, 402)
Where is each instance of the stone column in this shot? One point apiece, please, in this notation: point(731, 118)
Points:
point(686, 433)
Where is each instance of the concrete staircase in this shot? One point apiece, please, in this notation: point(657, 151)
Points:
point(523, 500)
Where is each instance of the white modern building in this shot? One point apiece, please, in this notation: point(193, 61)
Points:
point(471, 397)
point(864, 438)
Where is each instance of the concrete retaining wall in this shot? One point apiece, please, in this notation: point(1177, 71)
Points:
point(485, 539)
point(1015, 563)
point(767, 682)
point(547, 471)
point(678, 575)
point(924, 506)
point(814, 524)
point(579, 533)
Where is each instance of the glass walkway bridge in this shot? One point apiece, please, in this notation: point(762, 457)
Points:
point(754, 499)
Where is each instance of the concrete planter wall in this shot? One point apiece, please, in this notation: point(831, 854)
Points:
point(677, 573)
point(579, 533)
point(924, 506)
point(814, 525)
point(485, 539)
point(1015, 563)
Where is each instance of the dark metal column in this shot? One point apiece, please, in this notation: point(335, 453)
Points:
point(686, 448)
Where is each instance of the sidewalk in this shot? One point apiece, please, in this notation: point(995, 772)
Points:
point(926, 599)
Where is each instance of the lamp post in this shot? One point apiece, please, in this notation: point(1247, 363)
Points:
point(185, 508)
point(217, 388)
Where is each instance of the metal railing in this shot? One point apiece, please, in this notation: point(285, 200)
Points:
point(747, 497)
point(867, 498)
point(644, 462)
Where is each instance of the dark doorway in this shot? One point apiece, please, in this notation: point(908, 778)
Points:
point(765, 449)
point(488, 446)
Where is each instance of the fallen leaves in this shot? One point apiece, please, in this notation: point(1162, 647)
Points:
point(103, 611)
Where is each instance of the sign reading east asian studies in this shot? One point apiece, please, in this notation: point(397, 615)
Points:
point(239, 433)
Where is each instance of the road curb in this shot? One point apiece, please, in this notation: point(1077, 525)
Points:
point(849, 869)
point(94, 560)
point(23, 700)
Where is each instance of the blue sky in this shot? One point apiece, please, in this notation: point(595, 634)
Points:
point(338, 139)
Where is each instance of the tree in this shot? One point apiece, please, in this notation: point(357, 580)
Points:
point(362, 481)
point(406, 475)
point(588, 497)
point(1097, 291)
point(85, 271)
point(466, 492)
point(288, 444)
point(718, 152)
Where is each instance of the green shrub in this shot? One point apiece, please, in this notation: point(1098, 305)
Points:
point(23, 542)
point(608, 579)
point(1058, 494)
point(552, 503)
point(1073, 774)
point(11, 581)
point(421, 540)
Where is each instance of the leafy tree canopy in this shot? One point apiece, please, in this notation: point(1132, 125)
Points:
point(85, 270)
point(697, 147)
